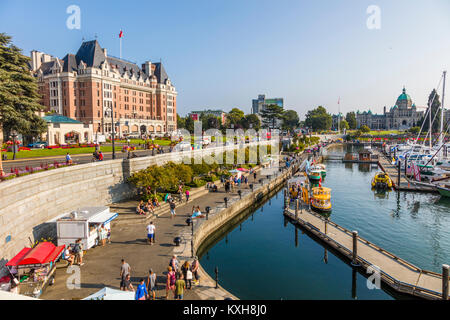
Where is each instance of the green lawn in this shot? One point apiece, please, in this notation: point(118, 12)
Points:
point(380, 133)
point(36, 153)
point(142, 141)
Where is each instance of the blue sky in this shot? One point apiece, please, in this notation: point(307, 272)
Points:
point(222, 54)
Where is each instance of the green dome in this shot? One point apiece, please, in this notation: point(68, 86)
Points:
point(404, 96)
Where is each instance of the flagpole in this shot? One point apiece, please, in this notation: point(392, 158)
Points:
point(120, 47)
point(339, 115)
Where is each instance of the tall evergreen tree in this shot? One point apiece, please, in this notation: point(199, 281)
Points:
point(350, 117)
point(435, 108)
point(270, 116)
point(19, 97)
point(290, 120)
point(318, 119)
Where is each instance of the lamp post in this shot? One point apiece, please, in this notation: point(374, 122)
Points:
point(112, 132)
point(13, 137)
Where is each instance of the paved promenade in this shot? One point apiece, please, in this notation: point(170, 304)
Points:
point(102, 264)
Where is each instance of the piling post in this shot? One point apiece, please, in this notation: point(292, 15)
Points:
point(355, 249)
point(326, 226)
point(406, 164)
point(354, 284)
point(399, 169)
point(445, 273)
point(216, 270)
point(296, 208)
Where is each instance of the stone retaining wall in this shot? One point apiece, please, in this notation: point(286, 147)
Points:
point(28, 202)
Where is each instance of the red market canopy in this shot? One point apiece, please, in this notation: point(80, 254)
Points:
point(15, 261)
point(43, 253)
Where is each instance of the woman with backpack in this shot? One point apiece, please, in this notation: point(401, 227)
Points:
point(170, 283)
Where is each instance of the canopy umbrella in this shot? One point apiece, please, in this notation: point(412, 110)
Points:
point(233, 171)
point(243, 169)
point(111, 294)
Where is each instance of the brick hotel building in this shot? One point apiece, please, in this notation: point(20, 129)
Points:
point(89, 85)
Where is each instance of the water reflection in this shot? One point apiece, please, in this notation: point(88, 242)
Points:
point(413, 226)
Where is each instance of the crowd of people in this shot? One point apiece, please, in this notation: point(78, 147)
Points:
point(144, 208)
point(178, 279)
point(232, 182)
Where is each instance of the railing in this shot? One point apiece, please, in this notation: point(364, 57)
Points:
point(387, 277)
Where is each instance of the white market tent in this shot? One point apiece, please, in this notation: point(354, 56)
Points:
point(111, 294)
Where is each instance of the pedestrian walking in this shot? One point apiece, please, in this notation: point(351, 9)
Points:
point(141, 291)
point(108, 234)
point(194, 269)
point(151, 284)
point(125, 270)
point(185, 268)
point(68, 159)
point(189, 279)
point(174, 263)
point(180, 286)
point(151, 233)
point(172, 208)
point(254, 175)
point(78, 251)
point(187, 195)
point(102, 235)
point(170, 281)
point(125, 284)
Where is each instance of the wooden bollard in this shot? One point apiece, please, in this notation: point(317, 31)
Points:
point(326, 225)
point(406, 165)
point(296, 208)
point(355, 249)
point(445, 272)
point(399, 169)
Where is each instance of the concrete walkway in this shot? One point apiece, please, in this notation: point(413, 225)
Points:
point(102, 264)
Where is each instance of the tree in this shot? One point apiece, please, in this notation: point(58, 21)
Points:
point(210, 121)
point(270, 114)
point(19, 97)
point(414, 130)
point(351, 120)
point(318, 119)
point(365, 129)
point(436, 125)
point(291, 120)
point(235, 117)
point(251, 120)
point(181, 122)
point(344, 125)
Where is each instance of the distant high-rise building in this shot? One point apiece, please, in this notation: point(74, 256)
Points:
point(260, 104)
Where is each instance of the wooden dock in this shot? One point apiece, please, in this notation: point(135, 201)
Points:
point(399, 274)
point(405, 183)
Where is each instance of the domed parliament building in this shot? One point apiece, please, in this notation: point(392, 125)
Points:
point(402, 116)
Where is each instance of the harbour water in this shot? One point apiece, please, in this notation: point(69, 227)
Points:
point(259, 258)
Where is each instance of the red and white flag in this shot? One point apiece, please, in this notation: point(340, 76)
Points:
point(121, 34)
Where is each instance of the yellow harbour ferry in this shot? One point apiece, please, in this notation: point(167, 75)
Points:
point(321, 199)
point(381, 181)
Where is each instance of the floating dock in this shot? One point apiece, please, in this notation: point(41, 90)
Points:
point(397, 273)
point(405, 183)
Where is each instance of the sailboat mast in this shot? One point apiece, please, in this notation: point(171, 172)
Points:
point(429, 126)
point(441, 135)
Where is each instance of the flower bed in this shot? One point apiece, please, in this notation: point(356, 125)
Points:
point(18, 172)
